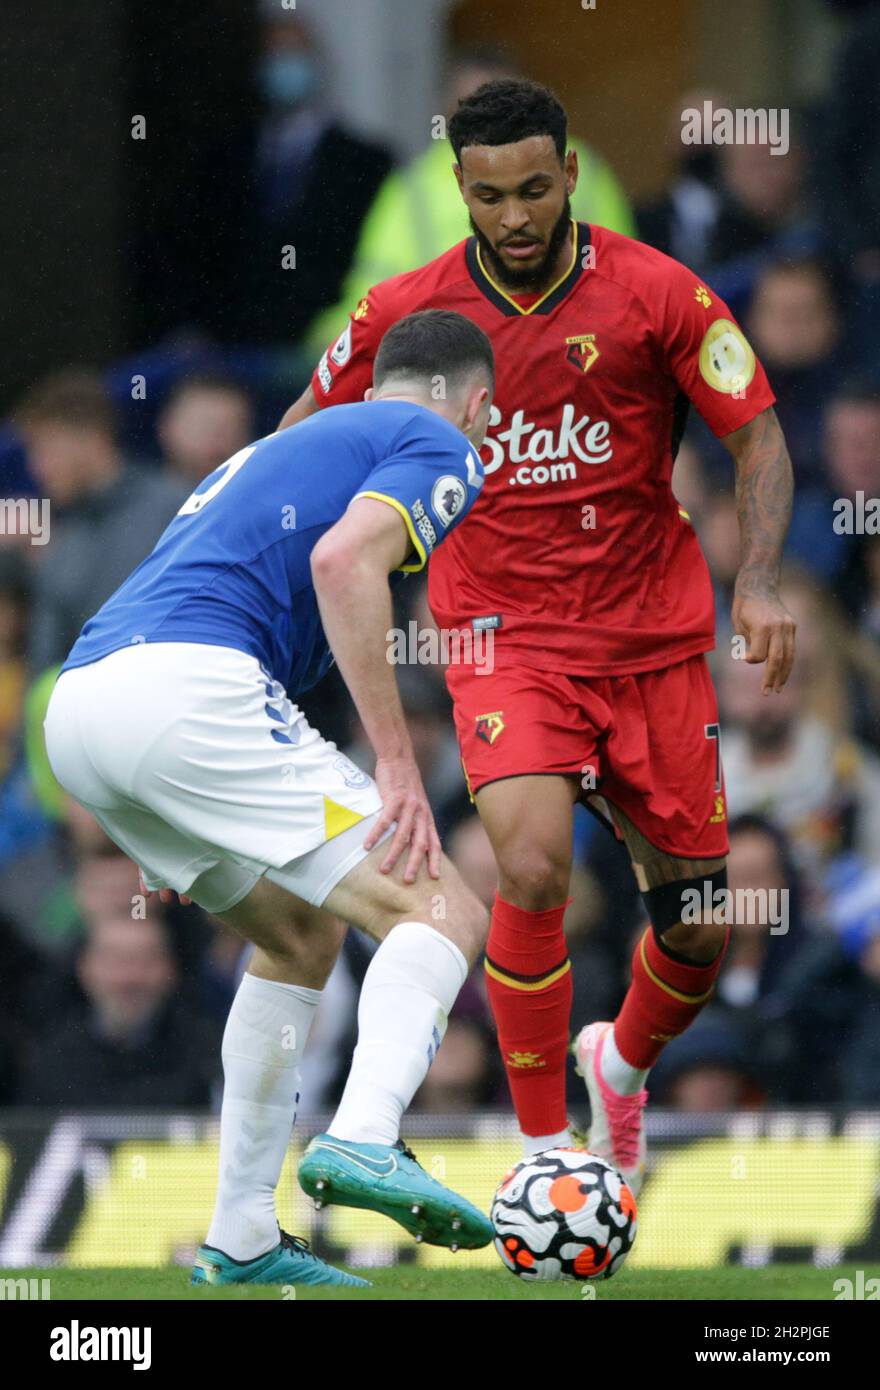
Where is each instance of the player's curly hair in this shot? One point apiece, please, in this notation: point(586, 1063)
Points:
point(505, 111)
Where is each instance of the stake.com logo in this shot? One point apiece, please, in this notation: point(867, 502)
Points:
point(545, 455)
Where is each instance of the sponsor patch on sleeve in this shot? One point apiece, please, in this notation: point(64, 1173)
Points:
point(727, 362)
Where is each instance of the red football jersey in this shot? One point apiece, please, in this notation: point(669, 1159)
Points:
point(576, 553)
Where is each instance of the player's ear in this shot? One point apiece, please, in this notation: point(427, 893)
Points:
point(476, 401)
point(459, 178)
point(368, 394)
point(571, 171)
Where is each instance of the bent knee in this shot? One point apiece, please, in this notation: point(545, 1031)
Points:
point(534, 877)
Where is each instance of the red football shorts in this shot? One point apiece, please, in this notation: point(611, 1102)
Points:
point(648, 744)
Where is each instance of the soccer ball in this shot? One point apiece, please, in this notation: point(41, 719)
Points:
point(563, 1214)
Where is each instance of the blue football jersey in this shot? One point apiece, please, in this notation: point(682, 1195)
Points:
point(233, 567)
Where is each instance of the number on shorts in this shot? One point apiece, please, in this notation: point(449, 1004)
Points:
point(714, 731)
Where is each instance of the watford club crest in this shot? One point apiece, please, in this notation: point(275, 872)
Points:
point(489, 726)
point(582, 351)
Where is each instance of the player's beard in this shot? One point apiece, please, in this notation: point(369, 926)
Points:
point(531, 278)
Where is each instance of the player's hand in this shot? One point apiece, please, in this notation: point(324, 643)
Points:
point(166, 895)
point(769, 629)
point(405, 801)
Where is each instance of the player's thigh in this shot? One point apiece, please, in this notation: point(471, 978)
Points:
point(526, 738)
point(376, 901)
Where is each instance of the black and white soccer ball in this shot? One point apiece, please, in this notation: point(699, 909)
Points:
point(563, 1214)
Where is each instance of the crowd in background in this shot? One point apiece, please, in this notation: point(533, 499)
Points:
point(107, 999)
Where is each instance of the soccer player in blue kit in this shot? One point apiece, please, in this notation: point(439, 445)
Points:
point(172, 722)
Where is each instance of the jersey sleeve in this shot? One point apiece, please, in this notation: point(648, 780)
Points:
point(346, 368)
point(708, 354)
point(432, 482)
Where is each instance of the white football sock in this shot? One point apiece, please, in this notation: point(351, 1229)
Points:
point(265, 1035)
point(620, 1075)
point(537, 1143)
point(411, 984)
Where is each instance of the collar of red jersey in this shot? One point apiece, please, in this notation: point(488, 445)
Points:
point(580, 239)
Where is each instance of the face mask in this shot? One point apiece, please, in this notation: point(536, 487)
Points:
point(287, 79)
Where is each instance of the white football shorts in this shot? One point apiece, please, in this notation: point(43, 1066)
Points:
point(196, 763)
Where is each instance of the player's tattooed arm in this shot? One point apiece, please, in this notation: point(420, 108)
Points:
point(764, 487)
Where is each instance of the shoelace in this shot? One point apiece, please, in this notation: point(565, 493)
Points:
point(295, 1243)
point(406, 1151)
point(625, 1117)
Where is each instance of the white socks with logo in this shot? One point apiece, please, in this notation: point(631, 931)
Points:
point(411, 984)
point(265, 1035)
point(410, 987)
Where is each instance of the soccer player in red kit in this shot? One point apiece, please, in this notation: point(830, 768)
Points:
point(580, 562)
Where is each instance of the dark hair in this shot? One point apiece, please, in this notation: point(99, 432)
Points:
point(434, 343)
point(75, 396)
point(505, 111)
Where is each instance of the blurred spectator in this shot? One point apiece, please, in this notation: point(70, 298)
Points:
point(767, 927)
point(859, 587)
point(464, 1074)
point(14, 619)
point(128, 1042)
point(718, 530)
point(468, 846)
point(312, 183)
point(821, 537)
point(829, 1000)
point(681, 221)
point(205, 420)
point(848, 168)
point(418, 212)
point(843, 662)
point(856, 918)
point(820, 786)
point(763, 201)
point(795, 328)
point(20, 975)
point(729, 209)
point(106, 515)
point(708, 1069)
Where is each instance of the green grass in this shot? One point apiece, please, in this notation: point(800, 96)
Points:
point(794, 1281)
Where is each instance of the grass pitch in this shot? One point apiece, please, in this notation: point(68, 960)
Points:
point(790, 1281)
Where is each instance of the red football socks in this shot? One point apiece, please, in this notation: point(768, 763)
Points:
point(528, 976)
point(665, 996)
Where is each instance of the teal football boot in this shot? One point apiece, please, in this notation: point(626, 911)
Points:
point(388, 1179)
point(291, 1262)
